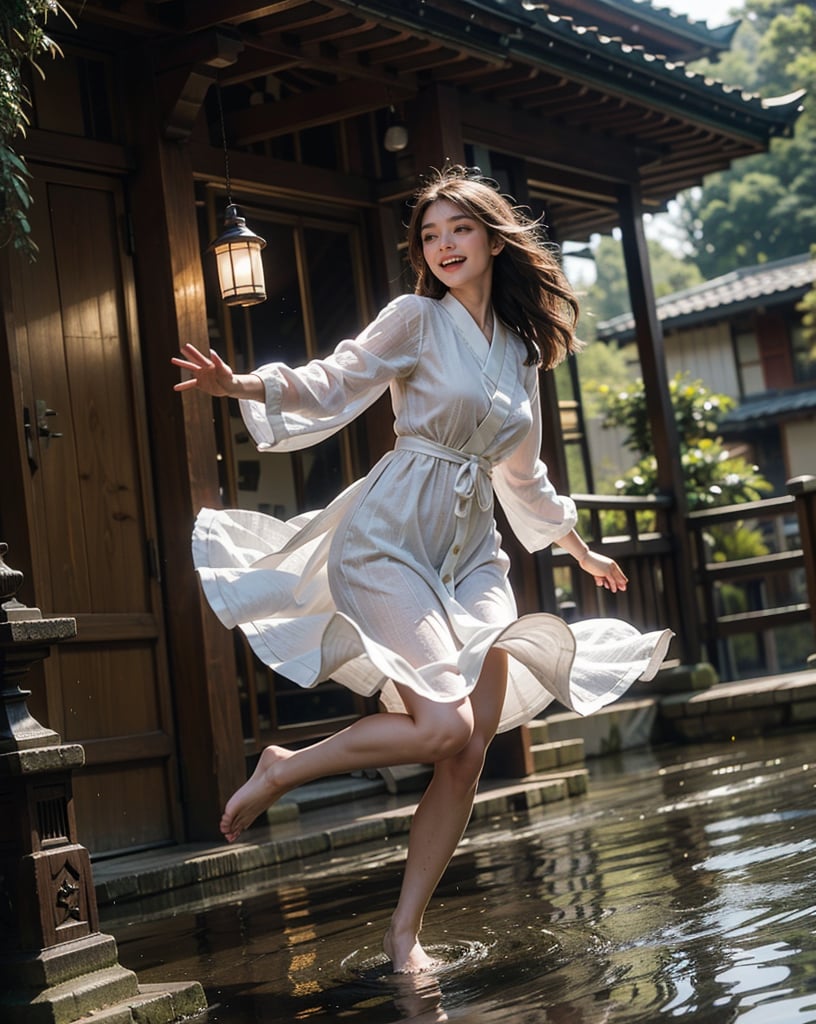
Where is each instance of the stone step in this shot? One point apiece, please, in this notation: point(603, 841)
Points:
point(539, 731)
point(160, 876)
point(750, 707)
point(58, 964)
point(624, 725)
point(72, 1000)
point(407, 778)
point(557, 754)
point(152, 1004)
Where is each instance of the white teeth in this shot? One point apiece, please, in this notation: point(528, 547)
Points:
point(453, 259)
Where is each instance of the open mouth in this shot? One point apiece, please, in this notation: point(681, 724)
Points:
point(451, 261)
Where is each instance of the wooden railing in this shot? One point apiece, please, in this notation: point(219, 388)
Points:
point(749, 604)
point(634, 532)
point(755, 614)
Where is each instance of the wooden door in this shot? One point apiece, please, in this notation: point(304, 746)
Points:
point(89, 510)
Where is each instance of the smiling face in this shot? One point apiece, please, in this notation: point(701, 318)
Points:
point(456, 246)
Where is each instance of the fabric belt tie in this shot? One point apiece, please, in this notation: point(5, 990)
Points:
point(472, 481)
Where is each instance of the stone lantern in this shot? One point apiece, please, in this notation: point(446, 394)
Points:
point(55, 965)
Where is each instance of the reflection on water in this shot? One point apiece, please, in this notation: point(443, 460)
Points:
point(681, 887)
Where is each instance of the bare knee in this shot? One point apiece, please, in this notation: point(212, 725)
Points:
point(447, 733)
point(463, 769)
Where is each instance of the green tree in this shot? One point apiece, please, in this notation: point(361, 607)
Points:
point(764, 207)
point(712, 474)
point(602, 367)
point(807, 307)
point(23, 41)
point(608, 296)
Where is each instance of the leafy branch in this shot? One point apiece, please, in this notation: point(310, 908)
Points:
point(23, 43)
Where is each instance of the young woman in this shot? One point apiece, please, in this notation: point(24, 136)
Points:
point(399, 587)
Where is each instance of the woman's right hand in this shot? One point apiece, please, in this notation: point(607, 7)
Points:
point(209, 373)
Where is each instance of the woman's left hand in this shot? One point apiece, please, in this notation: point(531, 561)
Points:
point(606, 571)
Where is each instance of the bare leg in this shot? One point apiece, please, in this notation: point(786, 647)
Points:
point(430, 730)
point(441, 818)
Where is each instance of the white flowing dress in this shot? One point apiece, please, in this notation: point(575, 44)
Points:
point(402, 578)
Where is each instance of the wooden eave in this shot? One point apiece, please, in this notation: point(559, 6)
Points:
point(511, 66)
point(657, 29)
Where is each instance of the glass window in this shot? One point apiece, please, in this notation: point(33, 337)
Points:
point(804, 355)
point(749, 362)
point(314, 299)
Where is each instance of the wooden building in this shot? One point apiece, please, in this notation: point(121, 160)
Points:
point(585, 111)
point(743, 335)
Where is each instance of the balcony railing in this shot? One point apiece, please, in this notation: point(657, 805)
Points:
point(754, 573)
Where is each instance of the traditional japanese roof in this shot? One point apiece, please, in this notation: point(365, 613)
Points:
point(782, 281)
point(763, 410)
point(592, 101)
point(659, 29)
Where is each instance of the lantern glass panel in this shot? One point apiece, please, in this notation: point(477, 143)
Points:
point(240, 272)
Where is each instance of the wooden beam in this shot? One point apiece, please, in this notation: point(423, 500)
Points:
point(436, 127)
point(186, 70)
point(74, 151)
point(331, 60)
point(254, 63)
point(321, 106)
point(182, 96)
point(214, 49)
point(207, 13)
point(551, 143)
point(263, 175)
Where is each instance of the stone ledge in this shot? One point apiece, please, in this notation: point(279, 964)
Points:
point(624, 725)
point(747, 708)
point(207, 867)
point(39, 760)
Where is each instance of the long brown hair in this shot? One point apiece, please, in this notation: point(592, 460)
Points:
point(530, 294)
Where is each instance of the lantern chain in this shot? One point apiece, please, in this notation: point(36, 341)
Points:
point(224, 143)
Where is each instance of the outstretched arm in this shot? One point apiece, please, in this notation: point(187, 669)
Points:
point(606, 571)
point(209, 373)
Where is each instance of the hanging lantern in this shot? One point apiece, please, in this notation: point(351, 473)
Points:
point(238, 259)
point(396, 138)
point(237, 249)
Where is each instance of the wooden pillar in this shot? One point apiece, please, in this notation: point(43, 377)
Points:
point(803, 488)
point(172, 310)
point(665, 441)
point(436, 128)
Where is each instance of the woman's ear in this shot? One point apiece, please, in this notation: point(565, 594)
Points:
point(496, 245)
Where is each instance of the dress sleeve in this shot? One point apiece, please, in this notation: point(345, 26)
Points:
point(307, 404)
point(536, 513)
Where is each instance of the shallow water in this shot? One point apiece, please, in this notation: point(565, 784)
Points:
point(680, 887)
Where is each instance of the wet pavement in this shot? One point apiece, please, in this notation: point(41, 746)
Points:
point(680, 887)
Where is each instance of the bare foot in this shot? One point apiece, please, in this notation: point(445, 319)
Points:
point(256, 794)
point(406, 954)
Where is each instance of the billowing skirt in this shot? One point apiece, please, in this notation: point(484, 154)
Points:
point(369, 621)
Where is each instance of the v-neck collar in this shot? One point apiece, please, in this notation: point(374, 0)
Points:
point(469, 329)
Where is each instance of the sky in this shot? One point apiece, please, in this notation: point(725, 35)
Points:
point(713, 12)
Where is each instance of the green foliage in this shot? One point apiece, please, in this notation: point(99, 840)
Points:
point(735, 541)
point(697, 411)
point(713, 475)
point(603, 368)
point(608, 296)
point(764, 207)
point(807, 307)
point(23, 41)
